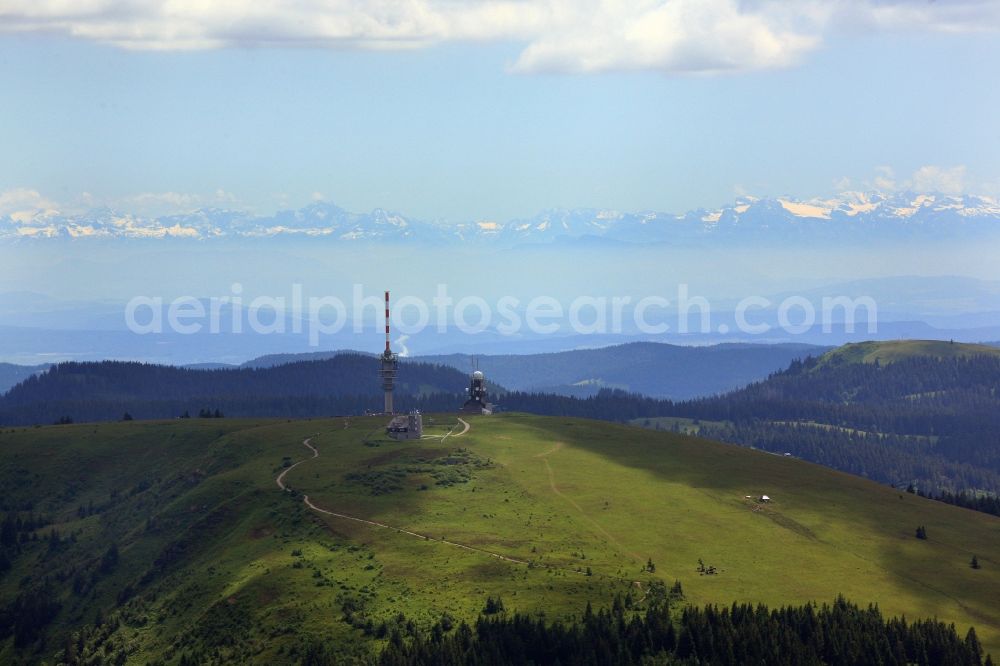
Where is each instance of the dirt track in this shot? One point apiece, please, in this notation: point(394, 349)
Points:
point(280, 480)
point(555, 489)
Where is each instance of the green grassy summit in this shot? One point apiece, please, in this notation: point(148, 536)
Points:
point(894, 350)
point(212, 558)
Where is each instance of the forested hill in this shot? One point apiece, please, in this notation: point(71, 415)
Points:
point(929, 420)
point(11, 374)
point(655, 369)
point(345, 384)
point(926, 414)
point(911, 396)
point(651, 368)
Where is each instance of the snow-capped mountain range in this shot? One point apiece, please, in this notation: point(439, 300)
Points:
point(861, 215)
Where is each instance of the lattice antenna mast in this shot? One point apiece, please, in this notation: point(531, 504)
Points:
point(389, 364)
point(387, 323)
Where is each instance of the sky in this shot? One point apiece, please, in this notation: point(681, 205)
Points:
point(491, 110)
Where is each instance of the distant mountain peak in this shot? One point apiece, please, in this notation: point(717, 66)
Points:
point(846, 215)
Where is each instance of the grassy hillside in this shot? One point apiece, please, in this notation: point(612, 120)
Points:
point(214, 560)
point(887, 352)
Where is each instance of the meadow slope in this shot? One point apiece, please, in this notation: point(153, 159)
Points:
point(214, 559)
point(894, 350)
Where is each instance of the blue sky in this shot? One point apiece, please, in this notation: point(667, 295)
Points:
point(469, 123)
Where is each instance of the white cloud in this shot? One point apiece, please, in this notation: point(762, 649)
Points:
point(926, 179)
point(990, 188)
point(23, 205)
point(947, 180)
point(558, 35)
point(676, 36)
point(885, 178)
point(175, 200)
point(222, 196)
point(163, 203)
point(955, 16)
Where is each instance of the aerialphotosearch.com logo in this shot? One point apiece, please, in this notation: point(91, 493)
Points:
point(320, 316)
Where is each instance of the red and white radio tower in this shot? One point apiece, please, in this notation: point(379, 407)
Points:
point(389, 364)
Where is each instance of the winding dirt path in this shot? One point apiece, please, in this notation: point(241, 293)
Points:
point(465, 429)
point(638, 584)
point(280, 480)
point(450, 433)
point(586, 516)
point(281, 477)
point(400, 530)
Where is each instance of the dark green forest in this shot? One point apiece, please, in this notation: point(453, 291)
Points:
point(841, 633)
point(346, 384)
point(104, 391)
point(930, 422)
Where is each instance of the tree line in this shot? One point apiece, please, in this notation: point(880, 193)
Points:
point(931, 422)
point(928, 421)
point(837, 633)
point(103, 391)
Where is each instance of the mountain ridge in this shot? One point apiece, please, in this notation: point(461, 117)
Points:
point(861, 214)
point(200, 535)
point(904, 412)
point(895, 350)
